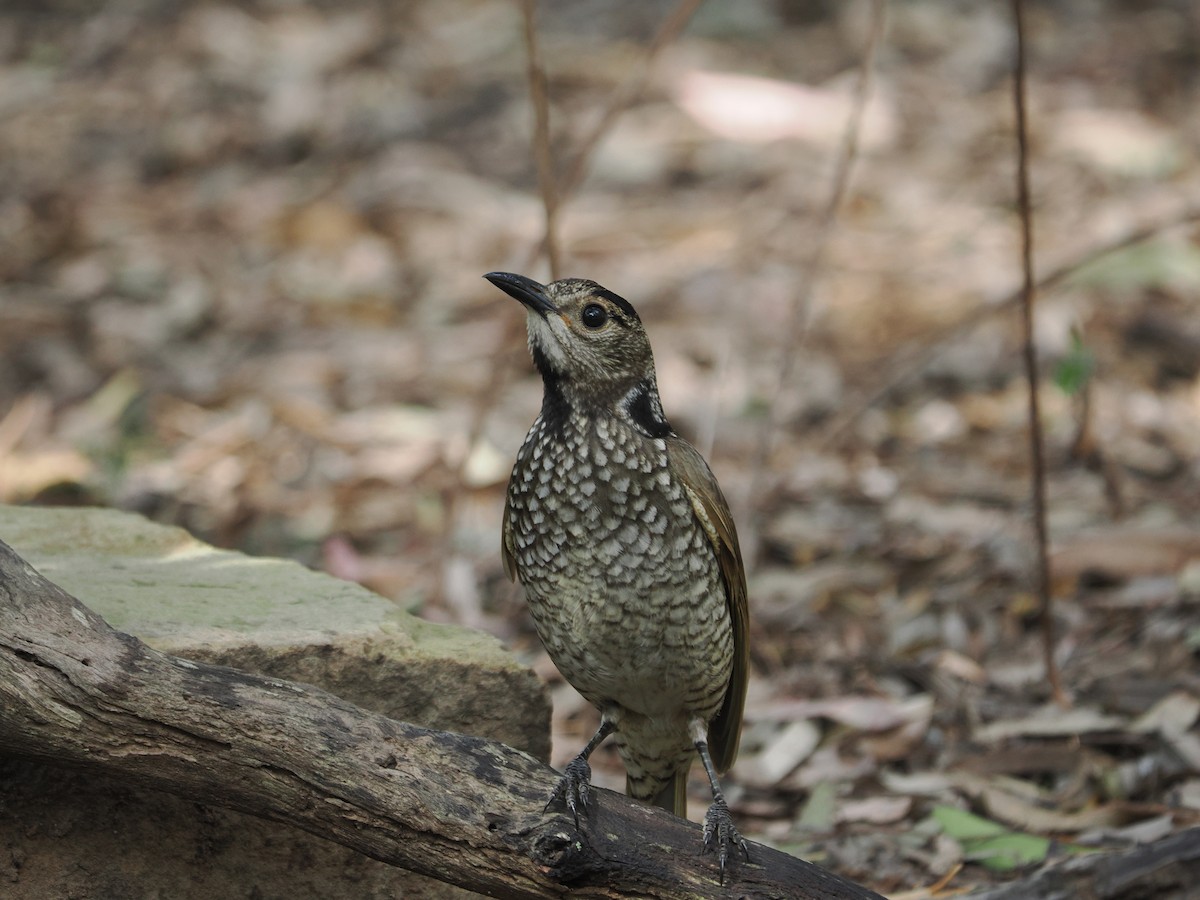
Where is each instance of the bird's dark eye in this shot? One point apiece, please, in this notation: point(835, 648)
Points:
point(594, 315)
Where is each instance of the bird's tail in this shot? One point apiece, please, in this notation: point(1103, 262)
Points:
point(673, 797)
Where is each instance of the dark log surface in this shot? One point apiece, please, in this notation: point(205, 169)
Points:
point(464, 810)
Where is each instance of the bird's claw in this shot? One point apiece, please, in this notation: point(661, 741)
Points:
point(574, 788)
point(720, 834)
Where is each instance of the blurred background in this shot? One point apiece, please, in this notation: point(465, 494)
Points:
point(240, 258)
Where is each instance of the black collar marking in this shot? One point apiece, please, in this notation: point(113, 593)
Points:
point(645, 411)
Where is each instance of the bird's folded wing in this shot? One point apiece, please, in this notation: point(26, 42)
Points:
point(712, 511)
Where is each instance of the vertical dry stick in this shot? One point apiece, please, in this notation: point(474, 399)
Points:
point(624, 95)
point(798, 314)
point(620, 100)
point(513, 325)
point(541, 137)
point(1036, 448)
point(556, 192)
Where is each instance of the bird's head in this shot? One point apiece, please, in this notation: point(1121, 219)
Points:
point(581, 335)
point(591, 349)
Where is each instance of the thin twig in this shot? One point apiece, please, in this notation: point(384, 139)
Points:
point(620, 100)
point(799, 313)
point(502, 357)
point(626, 93)
point(907, 363)
point(541, 137)
point(1036, 444)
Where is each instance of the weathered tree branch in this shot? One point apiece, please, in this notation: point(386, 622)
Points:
point(463, 810)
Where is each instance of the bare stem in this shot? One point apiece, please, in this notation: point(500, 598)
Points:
point(1036, 443)
point(799, 313)
point(629, 91)
point(541, 137)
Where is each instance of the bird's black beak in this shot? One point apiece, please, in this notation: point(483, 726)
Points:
point(528, 291)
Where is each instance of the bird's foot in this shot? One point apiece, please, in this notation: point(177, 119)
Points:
point(574, 788)
point(720, 834)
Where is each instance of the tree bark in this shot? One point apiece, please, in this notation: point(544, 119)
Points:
point(460, 809)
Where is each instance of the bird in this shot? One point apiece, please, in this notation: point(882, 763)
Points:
point(628, 554)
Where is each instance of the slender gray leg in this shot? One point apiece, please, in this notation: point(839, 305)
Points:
point(719, 831)
point(575, 787)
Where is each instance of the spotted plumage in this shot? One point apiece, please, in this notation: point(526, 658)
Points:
point(619, 532)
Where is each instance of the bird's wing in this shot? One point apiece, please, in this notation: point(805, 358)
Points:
point(712, 511)
point(508, 547)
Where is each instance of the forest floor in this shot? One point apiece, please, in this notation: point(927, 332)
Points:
point(240, 292)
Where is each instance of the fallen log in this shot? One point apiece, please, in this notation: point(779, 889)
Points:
point(464, 810)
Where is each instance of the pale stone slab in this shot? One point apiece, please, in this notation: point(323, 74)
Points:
point(83, 837)
point(276, 617)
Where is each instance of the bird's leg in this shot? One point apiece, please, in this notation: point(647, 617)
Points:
point(575, 787)
point(719, 831)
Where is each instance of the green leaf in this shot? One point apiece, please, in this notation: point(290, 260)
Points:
point(818, 812)
point(964, 826)
point(1161, 264)
point(1074, 369)
point(1008, 851)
